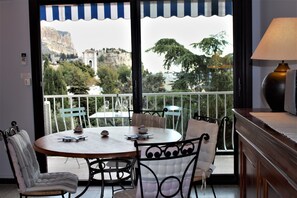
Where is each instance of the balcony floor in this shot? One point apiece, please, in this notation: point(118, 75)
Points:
point(223, 163)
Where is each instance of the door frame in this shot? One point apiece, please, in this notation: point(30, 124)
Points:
point(242, 72)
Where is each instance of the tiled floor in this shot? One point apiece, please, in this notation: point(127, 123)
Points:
point(10, 191)
point(224, 164)
point(78, 166)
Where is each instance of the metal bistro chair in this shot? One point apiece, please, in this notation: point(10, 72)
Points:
point(25, 167)
point(205, 165)
point(78, 113)
point(165, 169)
point(173, 115)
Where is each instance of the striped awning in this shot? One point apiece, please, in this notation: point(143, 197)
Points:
point(152, 9)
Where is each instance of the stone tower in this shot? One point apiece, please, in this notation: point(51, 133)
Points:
point(90, 58)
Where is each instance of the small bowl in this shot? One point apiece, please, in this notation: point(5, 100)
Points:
point(142, 130)
point(78, 129)
point(104, 133)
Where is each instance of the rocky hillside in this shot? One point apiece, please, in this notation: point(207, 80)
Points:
point(54, 41)
point(112, 56)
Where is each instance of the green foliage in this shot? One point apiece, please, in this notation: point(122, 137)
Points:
point(153, 83)
point(84, 68)
point(213, 44)
point(108, 79)
point(197, 73)
point(53, 81)
point(125, 79)
point(64, 57)
point(100, 58)
point(175, 53)
point(76, 76)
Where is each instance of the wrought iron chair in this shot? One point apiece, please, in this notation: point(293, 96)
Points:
point(165, 169)
point(159, 113)
point(205, 165)
point(138, 119)
point(148, 120)
point(25, 168)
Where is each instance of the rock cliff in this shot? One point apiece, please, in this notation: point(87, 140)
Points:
point(55, 41)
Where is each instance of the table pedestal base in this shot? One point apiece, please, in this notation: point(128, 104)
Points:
point(110, 171)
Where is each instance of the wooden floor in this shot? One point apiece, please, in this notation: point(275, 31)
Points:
point(10, 191)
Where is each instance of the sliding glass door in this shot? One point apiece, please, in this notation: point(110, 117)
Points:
point(141, 84)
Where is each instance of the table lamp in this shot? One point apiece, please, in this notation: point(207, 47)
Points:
point(278, 43)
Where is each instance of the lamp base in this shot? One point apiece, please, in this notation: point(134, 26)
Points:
point(273, 87)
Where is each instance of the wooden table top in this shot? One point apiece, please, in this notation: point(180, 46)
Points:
point(96, 146)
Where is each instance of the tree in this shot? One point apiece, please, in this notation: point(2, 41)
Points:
point(108, 79)
point(84, 68)
point(153, 83)
point(125, 79)
point(196, 72)
point(53, 81)
point(212, 45)
point(75, 77)
point(191, 64)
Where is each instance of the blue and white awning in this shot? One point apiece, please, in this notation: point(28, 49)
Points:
point(152, 9)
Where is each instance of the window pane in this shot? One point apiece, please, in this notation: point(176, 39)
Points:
point(187, 62)
point(91, 59)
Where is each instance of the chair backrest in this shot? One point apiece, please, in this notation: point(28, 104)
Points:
point(22, 157)
point(77, 116)
point(208, 150)
point(167, 169)
point(225, 126)
point(159, 113)
point(173, 115)
point(148, 120)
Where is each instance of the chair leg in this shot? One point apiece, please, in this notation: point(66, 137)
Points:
point(212, 188)
point(214, 194)
point(77, 162)
point(196, 193)
point(75, 159)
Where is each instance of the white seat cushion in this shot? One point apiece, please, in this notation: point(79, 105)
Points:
point(27, 170)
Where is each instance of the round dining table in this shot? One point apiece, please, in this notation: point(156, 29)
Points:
point(90, 144)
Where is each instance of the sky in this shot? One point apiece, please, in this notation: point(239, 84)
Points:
point(109, 33)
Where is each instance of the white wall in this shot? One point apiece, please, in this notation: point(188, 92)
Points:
point(263, 12)
point(16, 102)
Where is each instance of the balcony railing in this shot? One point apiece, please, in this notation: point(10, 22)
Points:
point(212, 104)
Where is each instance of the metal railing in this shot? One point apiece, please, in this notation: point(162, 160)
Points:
point(211, 104)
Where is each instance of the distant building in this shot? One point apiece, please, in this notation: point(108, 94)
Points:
point(170, 77)
point(90, 58)
point(109, 56)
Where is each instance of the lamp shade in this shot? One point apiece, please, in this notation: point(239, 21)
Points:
point(279, 41)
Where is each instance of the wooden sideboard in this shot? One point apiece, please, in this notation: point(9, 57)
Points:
point(268, 159)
